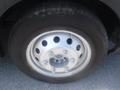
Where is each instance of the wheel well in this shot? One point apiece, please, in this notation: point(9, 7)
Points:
point(12, 15)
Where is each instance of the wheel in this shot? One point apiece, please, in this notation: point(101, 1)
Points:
point(58, 44)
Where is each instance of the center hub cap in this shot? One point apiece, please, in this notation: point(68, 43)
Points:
point(59, 61)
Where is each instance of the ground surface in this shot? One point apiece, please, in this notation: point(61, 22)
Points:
point(107, 77)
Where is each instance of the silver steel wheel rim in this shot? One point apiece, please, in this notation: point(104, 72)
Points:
point(58, 53)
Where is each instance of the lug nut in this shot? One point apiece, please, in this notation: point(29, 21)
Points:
point(72, 60)
point(66, 69)
point(65, 51)
point(45, 62)
point(54, 70)
point(51, 53)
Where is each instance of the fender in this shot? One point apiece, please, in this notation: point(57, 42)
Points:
point(6, 4)
point(114, 5)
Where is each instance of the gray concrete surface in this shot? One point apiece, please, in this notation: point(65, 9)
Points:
point(106, 77)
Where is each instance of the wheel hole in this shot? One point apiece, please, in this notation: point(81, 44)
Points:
point(37, 50)
point(69, 41)
point(44, 43)
point(81, 55)
point(36, 58)
point(56, 39)
point(78, 47)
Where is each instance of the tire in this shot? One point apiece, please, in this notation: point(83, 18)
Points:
point(80, 21)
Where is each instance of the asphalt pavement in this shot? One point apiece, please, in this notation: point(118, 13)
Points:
point(106, 77)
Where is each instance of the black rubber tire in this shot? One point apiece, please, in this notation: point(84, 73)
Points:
point(78, 20)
